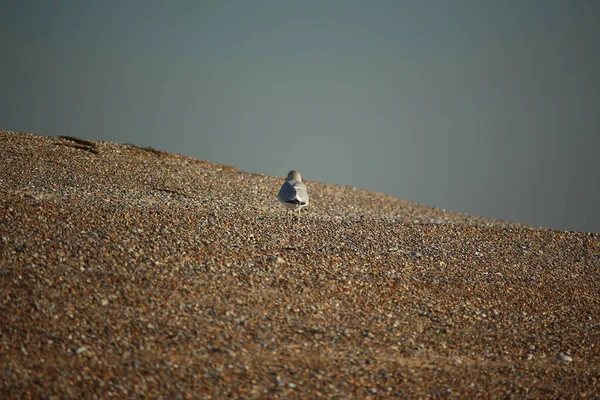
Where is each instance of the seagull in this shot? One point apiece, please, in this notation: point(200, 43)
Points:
point(293, 193)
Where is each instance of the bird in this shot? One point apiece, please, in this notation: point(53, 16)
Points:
point(293, 193)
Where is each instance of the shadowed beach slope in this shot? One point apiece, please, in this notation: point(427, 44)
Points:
point(128, 272)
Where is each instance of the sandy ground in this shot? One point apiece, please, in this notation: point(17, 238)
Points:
point(131, 273)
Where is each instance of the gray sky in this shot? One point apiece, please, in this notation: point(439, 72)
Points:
point(488, 107)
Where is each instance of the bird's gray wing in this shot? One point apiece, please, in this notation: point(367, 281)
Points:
point(301, 192)
point(286, 193)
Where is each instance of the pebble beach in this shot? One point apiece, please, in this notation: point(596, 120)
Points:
point(128, 272)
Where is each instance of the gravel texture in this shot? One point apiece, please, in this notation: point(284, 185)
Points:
point(127, 272)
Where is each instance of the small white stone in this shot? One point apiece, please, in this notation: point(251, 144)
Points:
point(563, 357)
point(275, 259)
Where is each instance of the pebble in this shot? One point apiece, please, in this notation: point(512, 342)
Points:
point(457, 360)
point(527, 357)
point(275, 259)
point(563, 357)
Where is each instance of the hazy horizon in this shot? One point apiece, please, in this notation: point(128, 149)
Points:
point(484, 107)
